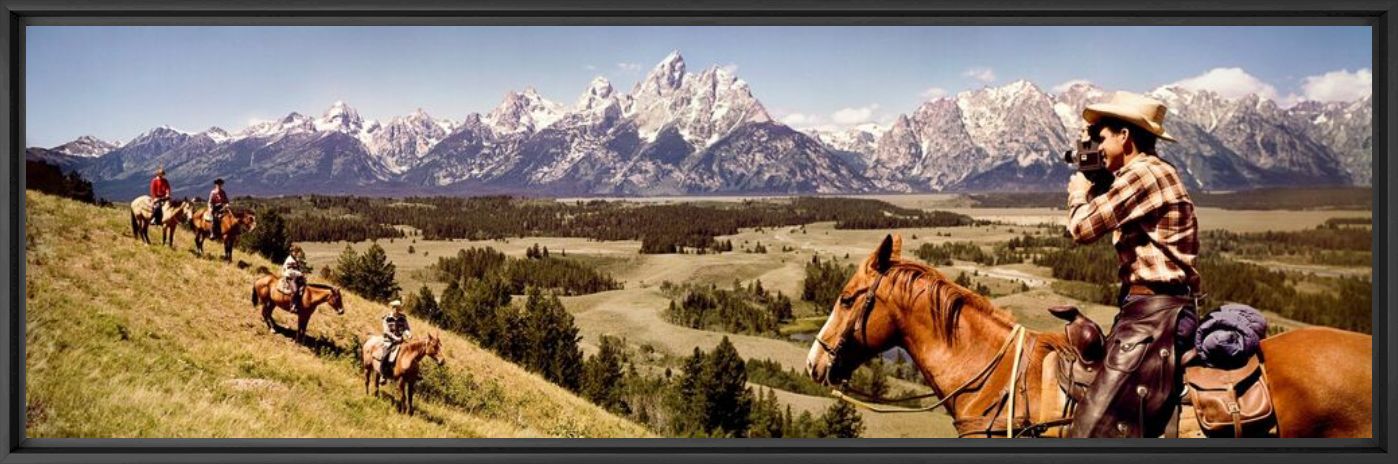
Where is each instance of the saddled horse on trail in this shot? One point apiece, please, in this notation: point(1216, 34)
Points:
point(231, 225)
point(173, 213)
point(266, 296)
point(405, 365)
point(1320, 378)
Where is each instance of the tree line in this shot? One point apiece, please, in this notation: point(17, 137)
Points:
point(538, 269)
point(1256, 199)
point(50, 179)
point(1348, 304)
point(824, 281)
point(664, 228)
point(749, 309)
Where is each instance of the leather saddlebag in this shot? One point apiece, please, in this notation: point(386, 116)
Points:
point(1231, 402)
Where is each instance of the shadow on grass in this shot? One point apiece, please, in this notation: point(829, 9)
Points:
point(321, 345)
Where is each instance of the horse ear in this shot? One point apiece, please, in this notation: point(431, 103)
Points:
point(897, 246)
point(883, 257)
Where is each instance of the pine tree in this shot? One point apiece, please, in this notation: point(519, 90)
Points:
point(270, 238)
point(603, 379)
point(727, 400)
point(424, 305)
point(370, 275)
point(348, 267)
point(686, 397)
point(453, 308)
point(805, 426)
point(840, 421)
point(766, 416)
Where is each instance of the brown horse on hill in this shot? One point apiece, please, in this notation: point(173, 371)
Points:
point(173, 212)
point(405, 365)
point(231, 225)
point(266, 296)
point(1320, 378)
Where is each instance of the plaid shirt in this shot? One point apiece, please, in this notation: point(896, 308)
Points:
point(1151, 219)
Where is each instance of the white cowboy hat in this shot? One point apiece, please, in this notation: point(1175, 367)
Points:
point(1144, 112)
point(395, 303)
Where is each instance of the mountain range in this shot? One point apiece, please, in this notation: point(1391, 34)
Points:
point(678, 132)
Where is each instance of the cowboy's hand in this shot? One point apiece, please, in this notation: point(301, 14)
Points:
point(1079, 184)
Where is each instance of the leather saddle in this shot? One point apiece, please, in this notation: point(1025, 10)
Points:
point(1226, 402)
point(1086, 349)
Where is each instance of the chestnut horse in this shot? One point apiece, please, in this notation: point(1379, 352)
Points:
point(1320, 378)
point(231, 225)
point(265, 296)
point(405, 365)
point(175, 213)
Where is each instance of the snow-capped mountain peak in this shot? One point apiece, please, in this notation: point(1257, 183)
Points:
point(599, 94)
point(86, 146)
point(340, 117)
point(523, 112)
point(217, 134)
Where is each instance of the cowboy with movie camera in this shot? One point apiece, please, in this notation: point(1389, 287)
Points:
point(1137, 197)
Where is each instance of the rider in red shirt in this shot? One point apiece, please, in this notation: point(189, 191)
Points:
point(218, 199)
point(159, 194)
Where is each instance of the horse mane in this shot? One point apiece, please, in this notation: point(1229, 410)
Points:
point(948, 299)
point(322, 287)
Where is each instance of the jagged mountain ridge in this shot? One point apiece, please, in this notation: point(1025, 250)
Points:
point(680, 132)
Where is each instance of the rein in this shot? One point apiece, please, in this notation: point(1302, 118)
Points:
point(1016, 338)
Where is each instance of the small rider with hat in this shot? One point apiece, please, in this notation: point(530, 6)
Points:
point(395, 332)
point(159, 195)
point(1151, 221)
point(293, 277)
point(218, 201)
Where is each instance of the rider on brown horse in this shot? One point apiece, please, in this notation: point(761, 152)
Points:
point(395, 331)
point(159, 195)
point(1151, 220)
point(292, 277)
point(218, 200)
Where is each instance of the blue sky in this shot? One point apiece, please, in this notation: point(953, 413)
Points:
point(116, 82)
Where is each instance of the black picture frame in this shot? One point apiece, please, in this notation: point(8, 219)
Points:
point(16, 448)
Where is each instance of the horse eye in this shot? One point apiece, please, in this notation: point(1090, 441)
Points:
point(847, 301)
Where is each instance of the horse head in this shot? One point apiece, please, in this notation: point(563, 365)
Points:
point(184, 211)
point(434, 349)
point(336, 302)
point(247, 221)
point(861, 323)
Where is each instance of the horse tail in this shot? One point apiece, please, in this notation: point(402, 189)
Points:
point(254, 295)
point(135, 229)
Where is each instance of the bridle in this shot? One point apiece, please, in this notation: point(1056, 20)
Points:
point(1016, 338)
point(861, 321)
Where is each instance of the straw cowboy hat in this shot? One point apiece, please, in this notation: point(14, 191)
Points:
point(1144, 112)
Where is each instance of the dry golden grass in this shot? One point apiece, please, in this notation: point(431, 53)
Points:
point(129, 340)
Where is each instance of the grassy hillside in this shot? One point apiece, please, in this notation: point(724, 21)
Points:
point(129, 340)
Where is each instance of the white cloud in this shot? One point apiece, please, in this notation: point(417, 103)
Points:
point(1060, 88)
point(731, 68)
point(933, 92)
point(1342, 85)
point(630, 67)
point(853, 116)
point(796, 119)
point(1231, 83)
point(984, 75)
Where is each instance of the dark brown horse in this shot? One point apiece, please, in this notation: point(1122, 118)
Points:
point(1320, 378)
point(405, 365)
point(231, 225)
point(265, 296)
point(175, 212)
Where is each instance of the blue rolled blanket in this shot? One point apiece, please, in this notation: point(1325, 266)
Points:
point(1226, 338)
